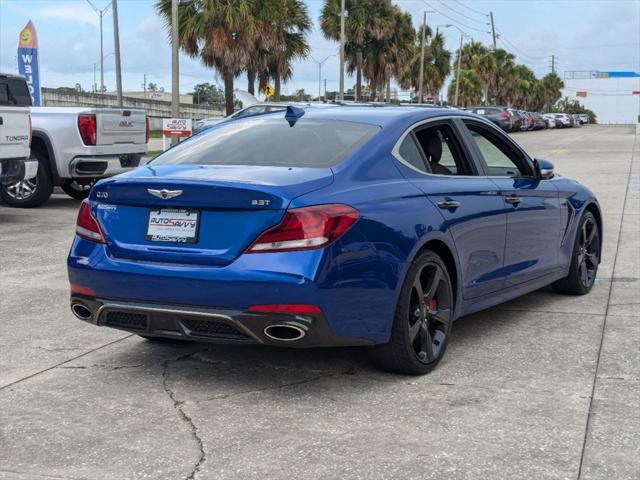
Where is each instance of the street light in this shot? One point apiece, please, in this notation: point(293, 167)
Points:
point(101, 14)
point(320, 73)
point(462, 35)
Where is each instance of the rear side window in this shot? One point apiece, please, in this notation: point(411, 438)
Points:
point(14, 93)
point(271, 141)
point(410, 152)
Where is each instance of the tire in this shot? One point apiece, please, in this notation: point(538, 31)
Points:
point(584, 259)
point(76, 190)
point(422, 322)
point(30, 193)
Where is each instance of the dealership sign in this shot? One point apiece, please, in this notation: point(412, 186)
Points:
point(176, 126)
point(28, 61)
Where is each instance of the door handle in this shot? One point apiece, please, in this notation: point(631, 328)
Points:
point(449, 204)
point(513, 199)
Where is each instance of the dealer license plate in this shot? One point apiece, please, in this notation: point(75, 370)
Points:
point(172, 225)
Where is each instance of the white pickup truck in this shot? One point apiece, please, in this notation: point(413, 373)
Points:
point(15, 133)
point(75, 147)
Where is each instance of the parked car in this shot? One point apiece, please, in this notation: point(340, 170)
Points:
point(584, 118)
point(498, 115)
point(577, 121)
point(551, 120)
point(15, 131)
point(565, 120)
point(517, 120)
point(329, 227)
point(538, 121)
point(74, 147)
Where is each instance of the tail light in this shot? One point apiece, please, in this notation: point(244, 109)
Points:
point(87, 226)
point(147, 131)
point(504, 115)
point(87, 128)
point(306, 228)
point(30, 131)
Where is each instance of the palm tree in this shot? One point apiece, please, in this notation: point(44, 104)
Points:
point(477, 57)
point(553, 86)
point(219, 32)
point(367, 20)
point(287, 31)
point(501, 65)
point(385, 56)
point(437, 63)
point(470, 91)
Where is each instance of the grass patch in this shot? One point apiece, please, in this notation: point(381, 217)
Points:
point(156, 133)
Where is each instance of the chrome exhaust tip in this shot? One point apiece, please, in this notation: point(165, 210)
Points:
point(80, 311)
point(284, 333)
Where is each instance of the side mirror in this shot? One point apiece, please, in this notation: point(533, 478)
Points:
point(544, 168)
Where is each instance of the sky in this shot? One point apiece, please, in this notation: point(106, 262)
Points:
point(582, 34)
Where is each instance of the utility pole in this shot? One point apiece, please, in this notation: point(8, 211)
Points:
point(458, 71)
point(144, 85)
point(553, 64)
point(424, 29)
point(325, 89)
point(342, 41)
point(101, 14)
point(116, 41)
point(175, 78)
point(320, 73)
point(493, 30)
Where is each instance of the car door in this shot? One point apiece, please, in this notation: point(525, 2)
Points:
point(471, 207)
point(533, 206)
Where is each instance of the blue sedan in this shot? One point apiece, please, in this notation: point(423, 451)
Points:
point(372, 226)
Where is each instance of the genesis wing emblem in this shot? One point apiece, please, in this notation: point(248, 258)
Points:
point(164, 193)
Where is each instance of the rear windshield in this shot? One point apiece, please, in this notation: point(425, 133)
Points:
point(14, 93)
point(271, 141)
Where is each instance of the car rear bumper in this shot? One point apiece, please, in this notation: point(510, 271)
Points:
point(349, 315)
point(217, 325)
point(101, 166)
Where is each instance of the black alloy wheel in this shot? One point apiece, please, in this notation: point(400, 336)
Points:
point(423, 319)
point(588, 252)
point(429, 313)
point(584, 260)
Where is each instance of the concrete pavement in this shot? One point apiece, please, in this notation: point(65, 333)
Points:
point(545, 386)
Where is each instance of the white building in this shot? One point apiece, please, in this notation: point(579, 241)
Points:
point(609, 94)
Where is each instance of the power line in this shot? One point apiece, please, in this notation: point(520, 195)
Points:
point(453, 19)
point(517, 49)
point(469, 8)
point(462, 14)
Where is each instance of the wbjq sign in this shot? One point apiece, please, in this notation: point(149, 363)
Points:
point(28, 61)
point(176, 126)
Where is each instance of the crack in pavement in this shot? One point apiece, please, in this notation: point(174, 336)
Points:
point(177, 404)
point(100, 365)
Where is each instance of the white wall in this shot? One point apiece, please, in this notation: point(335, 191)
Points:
point(609, 98)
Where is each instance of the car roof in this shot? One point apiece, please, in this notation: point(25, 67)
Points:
point(379, 115)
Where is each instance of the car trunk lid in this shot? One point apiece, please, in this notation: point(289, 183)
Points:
point(231, 205)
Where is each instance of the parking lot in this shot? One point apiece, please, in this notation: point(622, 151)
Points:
point(545, 386)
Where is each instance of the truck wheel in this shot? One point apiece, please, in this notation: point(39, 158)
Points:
point(76, 190)
point(30, 192)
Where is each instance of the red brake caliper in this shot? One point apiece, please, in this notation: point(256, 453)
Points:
point(432, 306)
